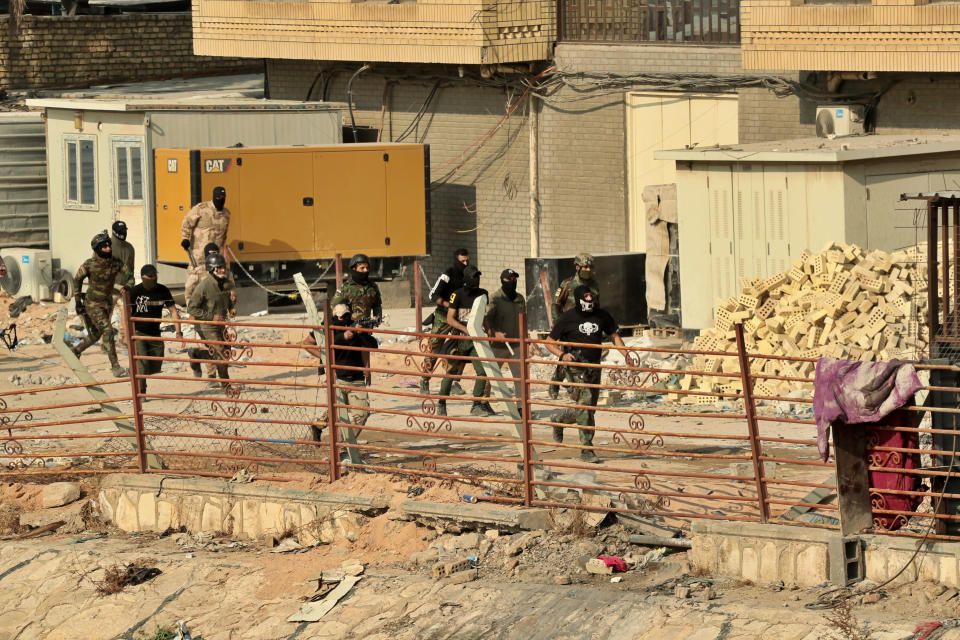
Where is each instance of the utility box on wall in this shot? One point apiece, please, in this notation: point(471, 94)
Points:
point(620, 278)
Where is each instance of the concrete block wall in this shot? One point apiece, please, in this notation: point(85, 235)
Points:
point(885, 556)
point(761, 553)
point(245, 512)
point(484, 206)
point(79, 51)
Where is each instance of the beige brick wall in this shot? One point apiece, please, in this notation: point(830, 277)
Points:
point(64, 52)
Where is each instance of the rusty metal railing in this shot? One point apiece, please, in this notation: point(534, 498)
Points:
point(680, 434)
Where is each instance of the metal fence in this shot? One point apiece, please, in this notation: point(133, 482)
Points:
point(676, 21)
point(681, 433)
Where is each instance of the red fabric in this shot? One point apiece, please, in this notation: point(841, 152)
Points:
point(617, 563)
point(880, 480)
point(926, 628)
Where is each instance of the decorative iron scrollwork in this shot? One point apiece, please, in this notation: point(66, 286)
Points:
point(7, 421)
point(14, 448)
point(625, 378)
point(428, 426)
point(429, 463)
point(234, 353)
point(885, 522)
point(232, 465)
point(634, 441)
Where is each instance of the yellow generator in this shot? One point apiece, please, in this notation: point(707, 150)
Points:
point(293, 206)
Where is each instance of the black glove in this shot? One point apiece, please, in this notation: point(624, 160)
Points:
point(185, 244)
point(81, 308)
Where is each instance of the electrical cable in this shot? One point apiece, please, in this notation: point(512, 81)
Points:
point(353, 122)
point(278, 294)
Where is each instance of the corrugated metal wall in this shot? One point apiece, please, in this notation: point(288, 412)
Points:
point(23, 181)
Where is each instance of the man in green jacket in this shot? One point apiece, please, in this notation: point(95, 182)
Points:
point(211, 301)
point(503, 321)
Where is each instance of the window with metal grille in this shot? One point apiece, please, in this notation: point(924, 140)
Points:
point(80, 158)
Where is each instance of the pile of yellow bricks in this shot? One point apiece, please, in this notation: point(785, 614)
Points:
point(840, 303)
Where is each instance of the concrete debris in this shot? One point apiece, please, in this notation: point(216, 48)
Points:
point(286, 546)
point(598, 566)
point(460, 577)
point(843, 302)
point(313, 611)
point(561, 580)
point(58, 494)
point(352, 567)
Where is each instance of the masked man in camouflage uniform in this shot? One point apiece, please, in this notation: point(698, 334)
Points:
point(359, 292)
point(211, 301)
point(563, 301)
point(102, 270)
point(205, 223)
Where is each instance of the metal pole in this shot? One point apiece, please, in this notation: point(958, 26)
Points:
point(331, 391)
point(533, 124)
point(417, 298)
point(751, 410)
point(932, 299)
point(134, 388)
point(945, 266)
point(525, 415)
point(339, 265)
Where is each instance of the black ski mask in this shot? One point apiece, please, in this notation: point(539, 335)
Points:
point(583, 305)
point(104, 249)
point(360, 277)
point(471, 277)
point(508, 282)
point(219, 198)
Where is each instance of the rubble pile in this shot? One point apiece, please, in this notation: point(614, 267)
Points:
point(842, 302)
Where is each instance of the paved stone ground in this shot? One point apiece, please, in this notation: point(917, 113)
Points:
point(48, 591)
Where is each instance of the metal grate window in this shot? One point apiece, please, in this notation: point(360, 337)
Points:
point(679, 21)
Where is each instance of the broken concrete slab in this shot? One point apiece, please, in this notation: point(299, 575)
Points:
point(58, 494)
point(480, 515)
point(43, 517)
point(313, 611)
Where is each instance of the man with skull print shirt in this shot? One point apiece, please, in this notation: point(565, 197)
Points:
point(149, 299)
point(586, 323)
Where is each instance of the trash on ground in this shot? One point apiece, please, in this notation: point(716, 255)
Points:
point(313, 611)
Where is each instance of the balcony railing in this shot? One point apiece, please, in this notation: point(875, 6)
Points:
point(676, 21)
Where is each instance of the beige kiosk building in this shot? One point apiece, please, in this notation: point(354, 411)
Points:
point(100, 158)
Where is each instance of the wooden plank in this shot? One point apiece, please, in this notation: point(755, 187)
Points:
point(853, 481)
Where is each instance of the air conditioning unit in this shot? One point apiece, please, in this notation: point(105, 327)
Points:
point(840, 120)
point(29, 273)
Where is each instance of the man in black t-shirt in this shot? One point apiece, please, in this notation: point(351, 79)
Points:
point(584, 323)
point(148, 300)
point(458, 314)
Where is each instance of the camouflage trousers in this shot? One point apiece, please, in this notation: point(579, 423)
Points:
point(434, 345)
point(100, 328)
point(456, 367)
point(582, 396)
point(357, 414)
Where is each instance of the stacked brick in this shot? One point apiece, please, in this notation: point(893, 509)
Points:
point(78, 51)
point(842, 302)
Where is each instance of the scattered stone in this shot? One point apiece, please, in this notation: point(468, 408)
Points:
point(460, 577)
point(681, 591)
point(598, 566)
point(424, 558)
point(707, 594)
point(514, 550)
point(617, 579)
point(511, 564)
point(561, 580)
point(491, 534)
point(871, 597)
point(58, 494)
point(777, 586)
point(352, 567)
point(467, 541)
point(949, 594)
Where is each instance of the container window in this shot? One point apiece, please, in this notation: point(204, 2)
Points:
point(128, 164)
point(81, 174)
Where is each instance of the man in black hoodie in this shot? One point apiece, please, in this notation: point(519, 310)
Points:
point(447, 283)
point(587, 323)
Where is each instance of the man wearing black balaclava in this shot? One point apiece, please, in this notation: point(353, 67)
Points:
point(503, 321)
point(361, 293)
point(459, 308)
point(448, 282)
point(206, 222)
point(122, 249)
point(586, 323)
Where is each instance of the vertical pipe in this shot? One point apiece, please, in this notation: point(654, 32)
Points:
point(533, 124)
point(525, 415)
point(956, 267)
point(134, 388)
point(331, 390)
point(945, 265)
point(338, 262)
point(417, 298)
point(751, 410)
point(932, 298)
